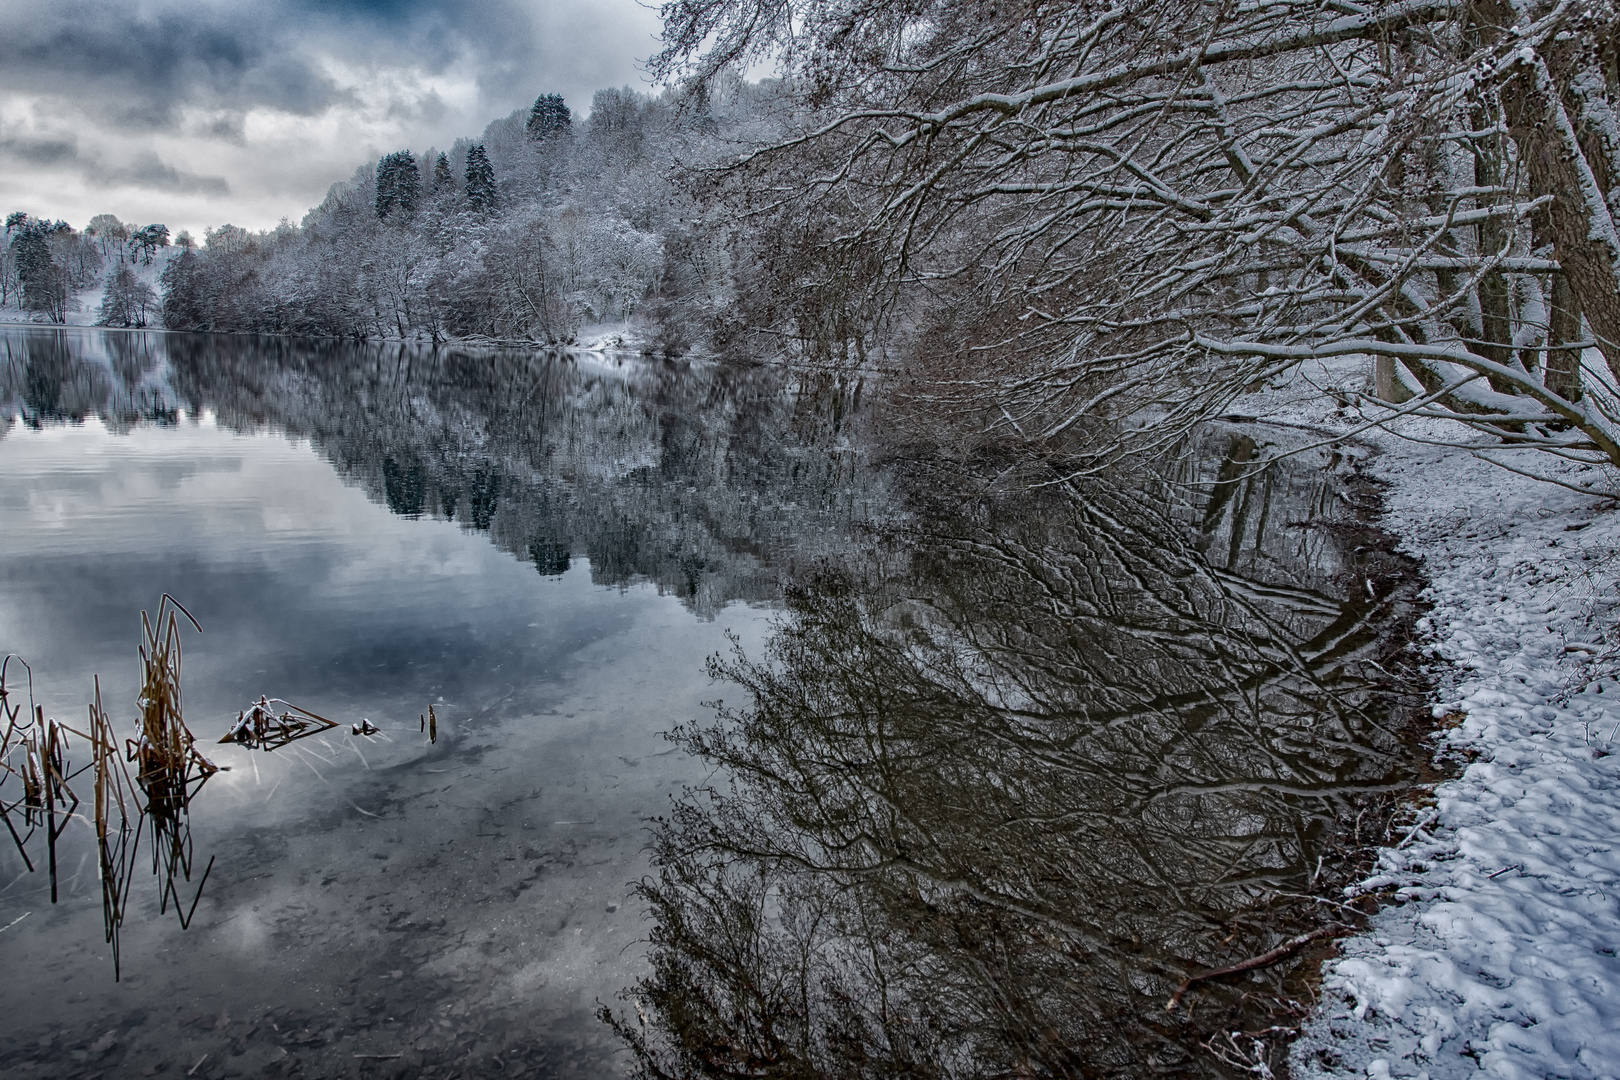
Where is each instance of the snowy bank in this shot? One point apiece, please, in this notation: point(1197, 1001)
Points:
point(1495, 951)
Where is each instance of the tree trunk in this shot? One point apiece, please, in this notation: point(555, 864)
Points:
point(1579, 218)
point(1386, 386)
point(1563, 374)
point(1495, 298)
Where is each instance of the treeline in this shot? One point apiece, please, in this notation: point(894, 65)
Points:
point(545, 226)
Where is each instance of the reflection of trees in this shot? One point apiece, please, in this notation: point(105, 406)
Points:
point(697, 478)
point(404, 490)
point(48, 376)
point(997, 791)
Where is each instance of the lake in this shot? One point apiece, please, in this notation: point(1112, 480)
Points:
point(1000, 756)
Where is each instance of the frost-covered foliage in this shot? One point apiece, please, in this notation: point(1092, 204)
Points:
point(1118, 218)
point(541, 227)
point(44, 263)
point(549, 116)
point(399, 184)
point(127, 300)
point(1090, 226)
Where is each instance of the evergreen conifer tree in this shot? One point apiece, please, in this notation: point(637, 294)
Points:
point(480, 180)
point(548, 117)
point(31, 251)
point(443, 181)
point(386, 197)
point(399, 183)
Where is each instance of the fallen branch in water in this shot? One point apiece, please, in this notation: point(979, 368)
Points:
point(1265, 959)
point(258, 726)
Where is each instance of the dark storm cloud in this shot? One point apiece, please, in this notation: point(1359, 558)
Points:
point(130, 66)
point(150, 172)
point(146, 170)
point(38, 151)
point(125, 70)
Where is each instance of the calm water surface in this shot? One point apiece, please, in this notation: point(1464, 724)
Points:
point(997, 766)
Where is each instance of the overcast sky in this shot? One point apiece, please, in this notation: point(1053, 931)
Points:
point(198, 112)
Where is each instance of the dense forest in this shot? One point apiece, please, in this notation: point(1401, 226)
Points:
point(542, 227)
point(1090, 228)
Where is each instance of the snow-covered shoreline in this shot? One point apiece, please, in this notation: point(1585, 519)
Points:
point(1494, 953)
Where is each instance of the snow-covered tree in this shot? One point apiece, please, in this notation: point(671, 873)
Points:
point(551, 233)
point(126, 300)
point(228, 239)
point(111, 234)
point(621, 265)
point(43, 278)
point(548, 116)
point(480, 181)
point(147, 239)
point(399, 184)
point(444, 182)
point(1118, 219)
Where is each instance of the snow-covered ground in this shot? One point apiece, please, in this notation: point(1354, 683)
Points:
point(611, 337)
point(83, 310)
point(1495, 951)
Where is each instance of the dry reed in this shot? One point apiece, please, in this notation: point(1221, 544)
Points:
point(36, 774)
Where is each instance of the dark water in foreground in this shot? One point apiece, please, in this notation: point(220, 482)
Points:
point(997, 766)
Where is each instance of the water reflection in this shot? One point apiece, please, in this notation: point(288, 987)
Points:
point(692, 479)
point(1016, 760)
point(1001, 784)
point(450, 907)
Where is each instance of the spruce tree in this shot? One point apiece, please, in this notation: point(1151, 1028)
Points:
point(443, 181)
point(386, 195)
point(548, 117)
point(480, 180)
point(399, 183)
point(31, 251)
point(410, 182)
